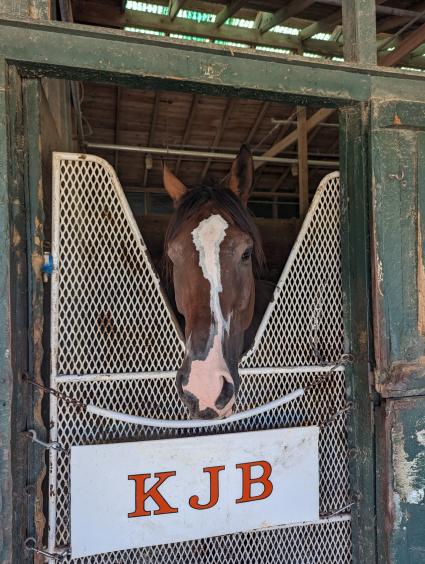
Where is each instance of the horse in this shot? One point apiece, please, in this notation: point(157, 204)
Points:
point(213, 253)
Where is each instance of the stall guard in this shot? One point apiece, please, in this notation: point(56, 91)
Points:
point(115, 345)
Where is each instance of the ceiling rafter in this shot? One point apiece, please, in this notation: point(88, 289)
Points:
point(152, 130)
point(231, 102)
point(405, 47)
point(174, 7)
point(391, 22)
point(229, 33)
point(228, 11)
point(268, 21)
point(188, 128)
point(258, 120)
point(288, 140)
point(118, 94)
point(325, 25)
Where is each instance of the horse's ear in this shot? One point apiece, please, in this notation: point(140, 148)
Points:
point(176, 189)
point(242, 174)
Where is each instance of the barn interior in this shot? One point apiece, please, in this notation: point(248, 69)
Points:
point(198, 135)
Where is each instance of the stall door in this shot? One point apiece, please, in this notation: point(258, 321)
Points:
point(114, 344)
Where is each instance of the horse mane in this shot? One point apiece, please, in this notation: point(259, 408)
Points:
point(226, 202)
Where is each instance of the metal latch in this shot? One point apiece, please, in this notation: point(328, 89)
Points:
point(47, 267)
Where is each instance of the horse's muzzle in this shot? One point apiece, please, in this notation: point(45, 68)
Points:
point(209, 397)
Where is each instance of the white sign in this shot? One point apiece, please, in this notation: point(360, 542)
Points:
point(129, 495)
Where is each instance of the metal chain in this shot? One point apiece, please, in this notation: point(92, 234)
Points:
point(32, 435)
point(344, 359)
point(60, 395)
point(334, 416)
point(333, 512)
point(30, 544)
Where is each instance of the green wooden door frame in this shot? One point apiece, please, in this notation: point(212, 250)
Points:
point(85, 53)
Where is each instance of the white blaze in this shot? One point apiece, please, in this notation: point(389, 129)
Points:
point(206, 376)
point(207, 238)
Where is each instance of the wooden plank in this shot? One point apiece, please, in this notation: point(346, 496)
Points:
point(118, 92)
point(37, 187)
point(18, 322)
point(231, 102)
point(400, 114)
point(258, 120)
point(355, 280)
point(37, 9)
point(174, 7)
point(398, 281)
point(256, 194)
point(406, 46)
point(228, 11)
point(229, 33)
point(288, 140)
point(391, 22)
point(322, 26)
point(291, 9)
point(404, 481)
point(8, 316)
point(359, 28)
point(188, 129)
point(302, 160)
point(152, 130)
point(87, 53)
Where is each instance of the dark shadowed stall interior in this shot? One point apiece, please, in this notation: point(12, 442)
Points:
point(144, 128)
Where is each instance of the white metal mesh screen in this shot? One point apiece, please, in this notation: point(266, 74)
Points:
point(112, 315)
point(112, 333)
point(308, 297)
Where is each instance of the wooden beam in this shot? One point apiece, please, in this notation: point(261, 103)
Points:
point(117, 124)
point(313, 121)
point(188, 129)
point(174, 7)
point(302, 160)
point(152, 130)
point(256, 194)
point(228, 11)
point(390, 23)
point(290, 10)
point(229, 33)
point(406, 46)
point(359, 29)
point(96, 54)
point(324, 25)
point(231, 102)
point(258, 120)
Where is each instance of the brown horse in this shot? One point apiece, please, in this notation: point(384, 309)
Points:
point(213, 249)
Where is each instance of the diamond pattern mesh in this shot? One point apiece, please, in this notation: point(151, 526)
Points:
point(308, 299)
point(112, 315)
point(112, 319)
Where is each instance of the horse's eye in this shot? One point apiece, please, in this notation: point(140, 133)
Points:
point(247, 254)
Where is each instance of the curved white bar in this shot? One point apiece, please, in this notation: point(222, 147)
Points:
point(193, 423)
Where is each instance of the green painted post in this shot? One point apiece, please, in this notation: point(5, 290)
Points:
point(35, 9)
point(354, 125)
point(359, 29)
point(6, 374)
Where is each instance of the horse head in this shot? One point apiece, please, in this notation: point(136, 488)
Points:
point(213, 247)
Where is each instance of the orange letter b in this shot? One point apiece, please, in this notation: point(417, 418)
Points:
point(247, 481)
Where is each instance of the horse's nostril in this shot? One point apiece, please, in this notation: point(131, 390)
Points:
point(226, 394)
point(190, 401)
